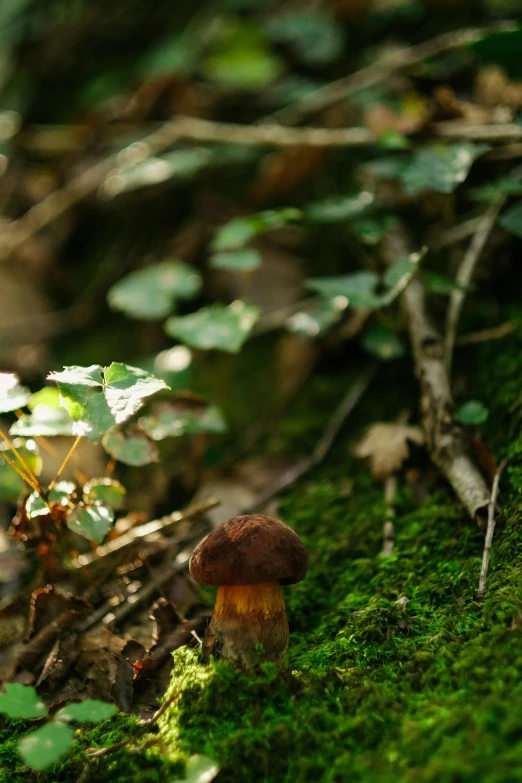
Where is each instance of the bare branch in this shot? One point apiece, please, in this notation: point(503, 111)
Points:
point(481, 592)
point(443, 436)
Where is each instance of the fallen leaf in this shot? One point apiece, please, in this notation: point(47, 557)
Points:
point(386, 446)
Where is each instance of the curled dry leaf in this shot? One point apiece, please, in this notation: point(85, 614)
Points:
point(386, 445)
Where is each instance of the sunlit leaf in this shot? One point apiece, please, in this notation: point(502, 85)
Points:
point(12, 394)
point(440, 167)
point(199, 769)
point(181, 417)
point(98, 398)
point(11, 484)
point(471, 413)
point(106, 490)
point(511, 219)
point(48, 396)
point(383, 343)
point(87, 711)
point(356, 290)
point(316, 319)
point(223, 328)
point(243, 260)
point(35, 506)
point(242, 59)
point(132, 448)
point(45, 421)
point(151, 293)
point(45, 746)
point(21, 701)
point(92, 522)
point(338, 208)
point(61, 492)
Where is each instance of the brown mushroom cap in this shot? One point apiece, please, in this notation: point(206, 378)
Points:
point(249, 550)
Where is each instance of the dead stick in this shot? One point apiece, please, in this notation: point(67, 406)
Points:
point(444, 437)
point(481, 592)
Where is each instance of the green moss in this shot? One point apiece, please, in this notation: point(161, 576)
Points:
point(395, 672)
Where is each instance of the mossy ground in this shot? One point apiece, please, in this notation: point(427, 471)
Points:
point(377, 689)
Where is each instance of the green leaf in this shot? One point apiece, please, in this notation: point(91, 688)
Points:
point(199, 769)
point(106, 490)
point(11, 484)
point(338, 208)
point(236, 233)
point(242, 260)
point(440, 167)
point(313, 35)
point(45, 422)
point(61, 492)
point(472, 412)
point(441, 284)
point(371, 230)
point(179, 164)
point(181, 417)
point(224, 328)
point(383, 343)
point(48, 396)
point(511, 186)
point(511, 219)
point(356, 290)
point(132, 448)
point(88, 711)
point(12, 394)
point(99, 398)
point(45, 746)
point(317, 319)
point(21, 701)
point(242, 59)
point(151, 293)
point(35, 506)
point(92, 522)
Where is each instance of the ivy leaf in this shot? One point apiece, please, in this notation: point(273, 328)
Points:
point(224, 328)
point(356, 290)
point(440, 167)
point(181, 417)
point(88, 711)
point(132, 448)
point(242, 260)
point(12, 394)
point(106, 490)
point(236, 233)
point(21, 701)
point(511, 219)
point(317, 319)
point(441, 284)
point(45, 746)
point(92, 522)
point(151, 293)
point(99, 398)
point(383, 343)
point(45, 422)
point(61, 492)
point(35, 506)
point(472, 412)
point(338, 208)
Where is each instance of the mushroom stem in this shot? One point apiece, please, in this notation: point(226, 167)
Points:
point(246, 616)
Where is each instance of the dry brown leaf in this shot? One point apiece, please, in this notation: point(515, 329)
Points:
point(386, 446)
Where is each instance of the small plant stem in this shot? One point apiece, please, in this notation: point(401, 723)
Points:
point(66, 460)
point(388, 528)
point(20, 472)
point(34, 483)
point(481, 592)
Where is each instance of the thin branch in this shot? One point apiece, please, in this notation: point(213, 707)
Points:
point(65, 461)
point(465, 273)
point(481, 592)
point(444, 438)
point(293, 474)
point(396, 61)
point(457, 129)
point(484, 335)
point(25, 467)
point(388, 528)
point(144, 728)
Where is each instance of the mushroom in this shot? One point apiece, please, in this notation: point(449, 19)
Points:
point(248, 558)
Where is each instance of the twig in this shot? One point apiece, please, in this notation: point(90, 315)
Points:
point(484, 335)
point(465, 274)
point(388, 528)
point(489, 532)
point(290, 476)
point(144, 728)
point(457, 129)
point(444, 438)
point(65, 461)
point(454, 234)
point(141, 532)
point(367, 77)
